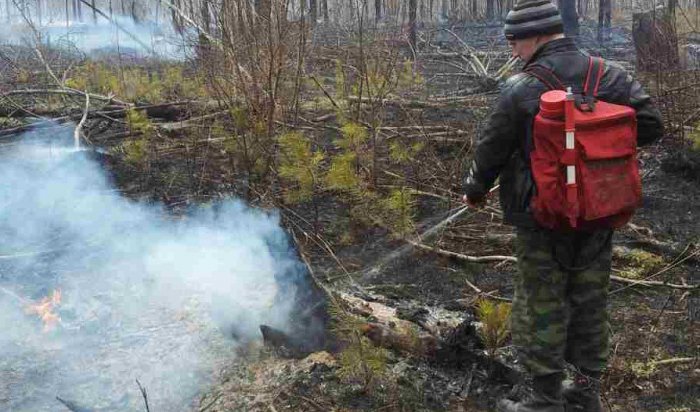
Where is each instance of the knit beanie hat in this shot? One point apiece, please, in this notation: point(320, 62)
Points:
point(531, 18)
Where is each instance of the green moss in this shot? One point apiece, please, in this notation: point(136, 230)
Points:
point(642, 369)
point(640, 263)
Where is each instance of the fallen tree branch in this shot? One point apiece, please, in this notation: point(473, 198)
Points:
point(79, 127)
point(674, 361)
point(487, 294)
point(475, 259)
point(65, 91)
point(182, 124)
point(413, 104)
point(668, 267)
point(652, 283)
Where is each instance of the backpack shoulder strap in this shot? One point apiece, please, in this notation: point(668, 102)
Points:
point(546, 76)
point(595, 73)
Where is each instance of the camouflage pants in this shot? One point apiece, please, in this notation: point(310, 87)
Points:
point(560, 305)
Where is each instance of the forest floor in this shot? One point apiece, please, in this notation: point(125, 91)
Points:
point(654, 363)
point(655, 334)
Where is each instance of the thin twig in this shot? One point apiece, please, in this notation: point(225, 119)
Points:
point(487, 294)
point(72, 406)
point(144, 395)
point(118, 26)
point(210, 404)
point(312, 402)
point(37, 39)
point(320, 86)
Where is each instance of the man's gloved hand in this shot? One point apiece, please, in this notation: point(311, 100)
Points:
point(476, 203)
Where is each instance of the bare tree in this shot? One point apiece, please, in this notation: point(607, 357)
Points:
point(412, 8)
point(569, 17)
point(313, 11)
point(604, 18)
point(583, 7)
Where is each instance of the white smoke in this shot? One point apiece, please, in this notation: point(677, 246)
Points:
point(145, 295)
point(94, 34)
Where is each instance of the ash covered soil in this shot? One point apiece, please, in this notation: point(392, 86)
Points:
point(650, 324)
point(653, 365)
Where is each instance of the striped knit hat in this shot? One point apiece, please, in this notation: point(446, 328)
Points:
point(531, 18)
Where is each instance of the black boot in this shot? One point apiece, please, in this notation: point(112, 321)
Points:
point(546, 396)
point(583, 393)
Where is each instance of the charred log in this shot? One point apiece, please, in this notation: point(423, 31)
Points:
point(284, 344)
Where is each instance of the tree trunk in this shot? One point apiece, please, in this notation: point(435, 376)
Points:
point(263, 8)
point(583, 8)
point(489, 9)
point(313, 11)
point(655, 41)
point(412, 6)
point(604, 17)
point(324, 7)
point(377, 10)
point(569, 17)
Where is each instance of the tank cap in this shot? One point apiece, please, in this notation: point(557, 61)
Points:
point(552, 104)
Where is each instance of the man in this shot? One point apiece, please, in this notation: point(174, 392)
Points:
point(559, 310)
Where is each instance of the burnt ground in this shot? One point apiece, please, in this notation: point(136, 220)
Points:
point(649, 323)
point(655, 343)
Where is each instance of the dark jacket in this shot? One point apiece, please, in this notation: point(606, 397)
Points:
point(501, 149)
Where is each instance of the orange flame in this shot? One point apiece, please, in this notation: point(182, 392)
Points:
point(44, 309)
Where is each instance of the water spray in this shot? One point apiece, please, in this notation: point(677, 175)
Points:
point(396, 253)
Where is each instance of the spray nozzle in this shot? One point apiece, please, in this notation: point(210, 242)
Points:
point(569, 93)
